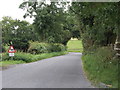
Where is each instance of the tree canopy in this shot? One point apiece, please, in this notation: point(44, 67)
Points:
point(98, 22)
point(17, 33)
point(52, 22)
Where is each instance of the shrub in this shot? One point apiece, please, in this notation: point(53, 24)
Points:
point(57, 47)
point(5, 48)
point(20, 44)
point(18, 56)
point(36, 47)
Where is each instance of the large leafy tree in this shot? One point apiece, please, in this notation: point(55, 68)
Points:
point(98, 22)
point(17, 33)
point(48, 22)
point(52, 22)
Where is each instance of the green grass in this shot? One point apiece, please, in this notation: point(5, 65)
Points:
point(11, 62)
point(47, 55)
point(75, 46)
point(101, 67)
point(21, 57)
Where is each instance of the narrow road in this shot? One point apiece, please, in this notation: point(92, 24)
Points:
point(57, 72)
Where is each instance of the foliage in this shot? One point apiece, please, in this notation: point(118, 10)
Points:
point(17, 33)
point(98, 22)
point(47, 55)
point(56, 47)
point(3, 49)
point(52, 22)
point(27, 57)
point(100, 66)
point(36, 47)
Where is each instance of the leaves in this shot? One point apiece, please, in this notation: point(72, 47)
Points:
point(17, 32)
point(98, 20)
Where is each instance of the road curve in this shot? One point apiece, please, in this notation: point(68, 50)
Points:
point(57, 72)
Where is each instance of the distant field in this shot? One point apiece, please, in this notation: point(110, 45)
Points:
point(75, 46)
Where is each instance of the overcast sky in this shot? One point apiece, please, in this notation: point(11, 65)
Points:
point(11, 8)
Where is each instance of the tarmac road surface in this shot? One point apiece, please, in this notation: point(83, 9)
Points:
point(57, 72)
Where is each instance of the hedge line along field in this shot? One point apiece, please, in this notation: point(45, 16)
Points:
point(36, 51)
point(74, 45)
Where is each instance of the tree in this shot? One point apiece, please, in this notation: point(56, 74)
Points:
point(17, 33)
point(52, 22)
point(97, 21)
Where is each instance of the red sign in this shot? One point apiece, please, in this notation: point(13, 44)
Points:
point(11, 50)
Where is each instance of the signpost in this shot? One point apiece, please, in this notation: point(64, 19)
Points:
point(11, 52)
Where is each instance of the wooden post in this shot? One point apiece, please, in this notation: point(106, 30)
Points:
point(117, 46)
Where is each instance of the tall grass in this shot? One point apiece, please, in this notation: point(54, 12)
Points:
point(102, 67)
point(21, 57)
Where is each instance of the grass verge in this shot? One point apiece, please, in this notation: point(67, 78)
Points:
point(101, 67)
point(11, 62)
point(21, 58)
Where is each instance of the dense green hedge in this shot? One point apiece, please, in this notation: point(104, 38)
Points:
point(57, 47)
point(36, 47)
point(42, 50)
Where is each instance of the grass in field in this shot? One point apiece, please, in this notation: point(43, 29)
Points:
point(75, 46)
point(21, 57)
point(100, 67)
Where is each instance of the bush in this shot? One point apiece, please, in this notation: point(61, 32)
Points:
point(57, 47)
point(37, 48)
point(27, 57)
point(18, 56)
point(5, 48)
point(20, 44)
